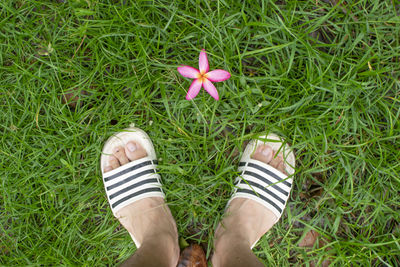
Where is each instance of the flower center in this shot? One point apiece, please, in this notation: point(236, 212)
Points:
point(202, 76)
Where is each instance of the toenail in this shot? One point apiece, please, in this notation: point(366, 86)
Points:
point(131, 147)
point(266, 151)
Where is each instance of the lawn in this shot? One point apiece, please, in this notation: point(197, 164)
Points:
point(322, 74)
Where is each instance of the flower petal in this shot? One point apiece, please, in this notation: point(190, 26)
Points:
point(194, 89)
point(188, 72)
point(210, 88)
point(218, 75)
point(203, 62)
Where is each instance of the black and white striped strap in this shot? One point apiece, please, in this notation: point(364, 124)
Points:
point(131, 182)
point(264, 184)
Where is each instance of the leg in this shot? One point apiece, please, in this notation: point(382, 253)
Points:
point(238, 255)
point(153, 253)
point(149, 219)
point(245, 221)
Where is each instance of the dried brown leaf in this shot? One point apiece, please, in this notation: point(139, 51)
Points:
point(72, 97)
point(309, 239)
point(192, 256)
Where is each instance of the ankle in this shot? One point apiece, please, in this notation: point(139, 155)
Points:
point(225, 241)
point(147, 218)
point(156, 250)
point(247, 220)
point(165, 244)
point(228, 245)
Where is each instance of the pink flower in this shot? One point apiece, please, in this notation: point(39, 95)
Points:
point(203, 77)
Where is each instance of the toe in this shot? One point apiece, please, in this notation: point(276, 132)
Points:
point(276, 161)
point(263, 153)
point(134, 151)
point(281, 167)
point(107, 169)
point(259, 149)
point(267, 153)
point(113, 162)
point(119, 153)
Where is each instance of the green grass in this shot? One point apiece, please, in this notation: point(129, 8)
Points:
point(324, 77)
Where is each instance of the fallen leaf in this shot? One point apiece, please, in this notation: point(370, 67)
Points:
point(309, 239)
point(72, 97)
point(192, 256)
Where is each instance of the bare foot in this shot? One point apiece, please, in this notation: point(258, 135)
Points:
point(148, 219)
point(245, 220)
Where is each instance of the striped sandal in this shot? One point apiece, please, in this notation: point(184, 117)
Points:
point(263, 183)
point(135, 180)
